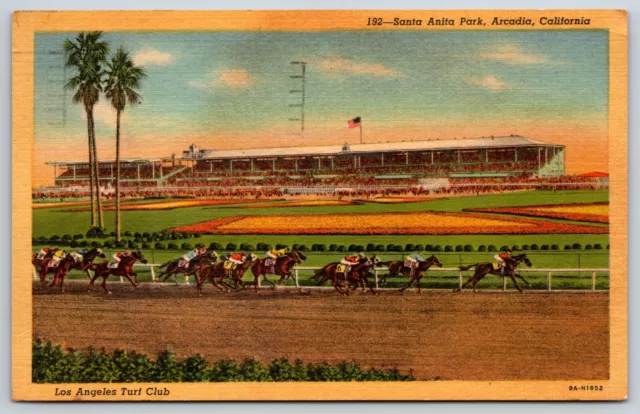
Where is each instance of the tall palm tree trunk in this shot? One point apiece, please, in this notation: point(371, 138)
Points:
point(118, 175)
point(97, 172)
point(91, 175)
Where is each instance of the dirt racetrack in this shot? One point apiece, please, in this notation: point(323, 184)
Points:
point(440, 335)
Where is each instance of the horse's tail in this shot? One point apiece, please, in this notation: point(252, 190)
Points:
point(320, 272)
point(467, 267)
point(163, 265)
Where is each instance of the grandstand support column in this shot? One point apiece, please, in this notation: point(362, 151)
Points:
point(515, 156)
point(546, 155)
point(355, 161)
point(74, 172)
point(295, 163)
point(138, 171)
point(382, 159)
point(273, 165)
point(230, 165)
point(406, 158)
point(538, 158)
point(486, 156)
point(431, 157)
point(211, 167)
point(319, 163)
point(160, 169)
point(153, 170)
point(458, 156)
point(251, 161)
point(55, 172)
point(112, 171)
point(332, 163)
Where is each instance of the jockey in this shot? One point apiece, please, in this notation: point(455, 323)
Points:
point(502, 259)
point(274, 254)
point(115, 262)
point(44, 251)
point(415, 258)
point(57, 256)
point(192, 255)
point(351, 260)
point(238, 258)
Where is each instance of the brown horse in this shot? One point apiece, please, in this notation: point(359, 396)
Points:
point(282, 267)
point(419, 271)
point(37, 262)
point(483, 269)
point(216, 273)
point(357, 274)
point(59, 272)
point(87, 260)
point(125, 268)
point(173, 267)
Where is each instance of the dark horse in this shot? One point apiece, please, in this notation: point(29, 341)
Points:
point(419, 271)
point(38, 262)
point(87, 260)
point(173, 268)
point(397, 267)
point(60, 271)
point(357, 274)
point(125, 268)
point(483, 269)
point(282, 267)
point(217, 271)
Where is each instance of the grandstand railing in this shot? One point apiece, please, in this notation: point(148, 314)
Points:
point(296, 275)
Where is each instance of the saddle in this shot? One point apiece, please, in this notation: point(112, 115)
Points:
point(182, 263)
point(77, 256)
point(411, 264)
point(496, 266)
point(269, 262)
point(52, 263)
point(113, 264)
point(343, 268)
point(40, 256)
point(228, 265)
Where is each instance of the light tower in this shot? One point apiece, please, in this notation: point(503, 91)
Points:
point(301, 91)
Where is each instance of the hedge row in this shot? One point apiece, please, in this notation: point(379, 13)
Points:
point(51, 364)
point(67, 239)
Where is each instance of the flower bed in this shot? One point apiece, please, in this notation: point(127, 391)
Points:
point(437, 223)
point(592, 212)
point(308, 203)
point(171, 205)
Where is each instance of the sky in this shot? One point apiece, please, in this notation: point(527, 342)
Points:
point(223, 90)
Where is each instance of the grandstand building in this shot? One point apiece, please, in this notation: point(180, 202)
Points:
point(410, 162)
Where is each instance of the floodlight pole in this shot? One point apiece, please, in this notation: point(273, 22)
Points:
point(301, 91)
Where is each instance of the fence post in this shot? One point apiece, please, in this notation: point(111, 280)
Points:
point(376, 273)
point(504, 284)
point(295, 276)
point(35, 275)
point(549, 281)
point(121, 279)
point(593, 281)
point(186, 279)
point(460, 280)
point(153, 274)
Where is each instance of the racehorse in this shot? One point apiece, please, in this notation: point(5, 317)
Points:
point(485, 268)
point(38, 262)
point(60, 271)
point(173, 267)
point(125, 268)
point(419, 271)
point(282, 267)
point(357, 274)
point(87, 260)
point(217, 271)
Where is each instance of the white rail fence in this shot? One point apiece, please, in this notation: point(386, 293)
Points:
point(296, 274)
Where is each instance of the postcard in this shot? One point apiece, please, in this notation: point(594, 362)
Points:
point(320, 205)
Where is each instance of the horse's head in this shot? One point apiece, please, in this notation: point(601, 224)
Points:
point(211, 255)
point(522, 258)
point(95, 252)
point(434, 261)
point(298, 256)
point(138, 256)
point(375, 260)
point(251, 258)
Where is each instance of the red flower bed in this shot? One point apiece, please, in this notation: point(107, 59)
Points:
point(542, 211)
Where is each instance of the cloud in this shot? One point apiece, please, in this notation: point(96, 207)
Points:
point(512, 55)
point(489, 82)
point(152, 57)
point(339, 67)
point(225, 78)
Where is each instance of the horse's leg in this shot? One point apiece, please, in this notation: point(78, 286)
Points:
point(418, 280)
point(408, 284)
point(366, 280)
point(129, 279)
point(53, 282)
point(523, 279)
point(515, 282)
point(61, 283)
point(104, 284)
point(93, 279)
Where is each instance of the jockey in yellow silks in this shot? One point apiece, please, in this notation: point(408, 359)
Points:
point(274, 254)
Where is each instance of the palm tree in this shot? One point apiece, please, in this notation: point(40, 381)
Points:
point(86, 55)
point(121, 87)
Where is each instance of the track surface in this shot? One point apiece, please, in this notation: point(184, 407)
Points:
point(484, 336)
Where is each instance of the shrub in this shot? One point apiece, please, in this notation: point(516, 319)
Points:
point(167, 368)
point(459, 248)
point(428, 247)
point(525, 247)
point(172, 246)
point(567, 247)
point(137, 234)
point(110, 244)
point(482, 248)
point(576, 246)
point(491, 248)
point(418, 248)
point(409, 247)
point(127, 234)
point(534, 247)
point(281, 246)
point(263, 247)
point(55, 237)
point(146, 246)
point(246, 247)
point(96, 244)
point(607, 247)
point(448, 248)
point(468, 248)
point(379, 247)
point(78, 236)
point(588, 247)
point(254, 371)
point(196, 369)
point(515, 248)
point(66, 237)
point(83, 243)
point(303, 248)
point(319, 247)
point(353, 248)
point(112, 234)
point(146, 234)
point(159, 246)
point(391, 247)
point(215, 246)
point(370, 247)
point(555, 247)
point(437, 248)
point(121, 244)
point(341, 248)
point(231, 247)
point(73, 243)
point(544, 247)
point(597, 246)
point(504, 248)
point(333, 247)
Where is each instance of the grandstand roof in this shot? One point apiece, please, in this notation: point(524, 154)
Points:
point(125, 161)
point(449, 144)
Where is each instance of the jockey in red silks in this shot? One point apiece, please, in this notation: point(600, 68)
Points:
point(502, 259)
point(238, 258)
point(44, 251)
point(351, 260)
point(115, 261)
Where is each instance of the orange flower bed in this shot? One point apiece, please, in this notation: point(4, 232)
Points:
point(170, 205)
point(393, 200)
point(438, 223)
point(308, 203)
point(590, 212)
